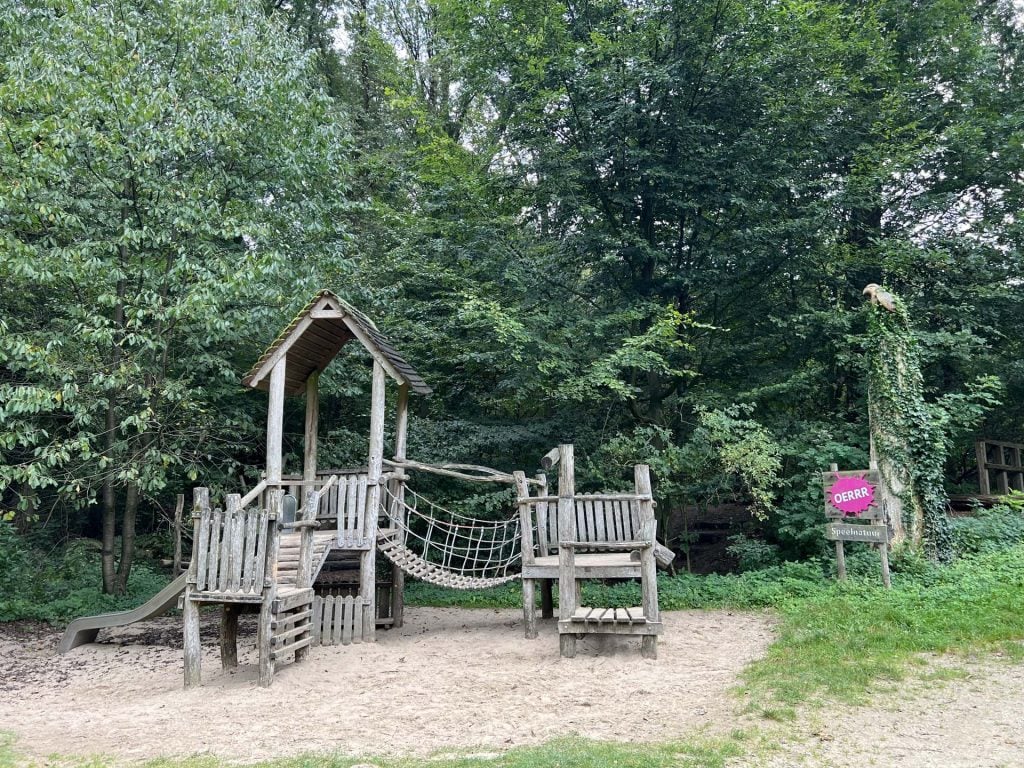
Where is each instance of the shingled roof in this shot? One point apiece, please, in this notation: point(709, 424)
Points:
point(315, 337)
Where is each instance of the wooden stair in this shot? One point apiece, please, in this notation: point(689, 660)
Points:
point(288, 556)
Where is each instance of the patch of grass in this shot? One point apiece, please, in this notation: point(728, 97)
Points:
point(843, 642)
point(561, 753)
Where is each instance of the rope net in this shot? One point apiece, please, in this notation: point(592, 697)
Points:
point(449, 549)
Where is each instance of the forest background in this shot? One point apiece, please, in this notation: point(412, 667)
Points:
point(643, 227)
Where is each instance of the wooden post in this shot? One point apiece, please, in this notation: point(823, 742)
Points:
point(190, 609)
point(566, 555)
point(229, 636)
point(179, 509)
point(312, 427)
point(275, 421)
point(648, 565)
point(526, 529)
point(264, 634)
point(883, 550)
point(547, 601)
point(982, 455)
point(401, 446)
point(367, 575)
point(840, 547)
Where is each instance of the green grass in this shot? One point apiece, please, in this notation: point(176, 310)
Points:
point(561, 753)
point(842, 644)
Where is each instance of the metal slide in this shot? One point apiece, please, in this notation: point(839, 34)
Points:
point(85, 629)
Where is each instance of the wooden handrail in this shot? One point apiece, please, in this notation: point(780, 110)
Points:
point(487, 474)
point(246, 500)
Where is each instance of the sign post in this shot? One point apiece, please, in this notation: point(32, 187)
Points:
point(854, 513)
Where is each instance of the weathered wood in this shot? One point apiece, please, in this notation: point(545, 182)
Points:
point(312, 426)
point(275, 421)
point(648, 566)
point(247, 583)
point(550, 459)
point(982, 457)
point(566, 555)
point(179, 509)
point(237, 547)
point(228, 636)
point(398, 492)
point(264, 633)
point(190, 640)
point(254, 494)
point(883, 550)
point(367, 581)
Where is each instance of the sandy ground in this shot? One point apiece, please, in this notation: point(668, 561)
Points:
point(448, 679)
point(455, 679)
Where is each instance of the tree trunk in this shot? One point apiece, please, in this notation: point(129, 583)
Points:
point(124, 566)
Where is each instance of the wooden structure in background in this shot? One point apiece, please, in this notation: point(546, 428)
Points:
point(999, 467)
point(589, 536)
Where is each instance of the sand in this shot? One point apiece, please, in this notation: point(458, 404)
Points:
point(455, 680)
point(449, 679)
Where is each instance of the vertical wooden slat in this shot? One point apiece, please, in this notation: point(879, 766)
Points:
point(542, 517)
point(216, 535)
point(202, 541)
point(358, 615)
point(262, 534)
point(351, 515)
point(237, 541)
point(343, 622)
point(363, 511)
point(609, 521)
point(224, 566)
point(248, 583)
point(648, 566)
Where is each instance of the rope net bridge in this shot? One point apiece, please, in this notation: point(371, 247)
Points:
point(446, 548)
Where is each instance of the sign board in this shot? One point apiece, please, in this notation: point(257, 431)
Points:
point(852, 495)
point(874, 534)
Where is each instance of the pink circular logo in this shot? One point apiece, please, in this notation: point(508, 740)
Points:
point(851, 495)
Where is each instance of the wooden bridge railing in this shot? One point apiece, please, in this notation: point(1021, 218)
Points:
point(1002, 462)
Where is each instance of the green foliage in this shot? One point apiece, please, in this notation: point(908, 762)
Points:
point(988, 530)
point(57, 587)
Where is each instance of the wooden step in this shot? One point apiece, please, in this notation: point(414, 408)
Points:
point(610, 615)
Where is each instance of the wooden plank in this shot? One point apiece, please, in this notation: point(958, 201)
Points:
point(359, 510)
point(213, 563)
point(248, 580)
point(237, 542)
point(282, 622)
point(566, 556)
point(179, 510)
point(293, 648)
point(876, 534)
point(190, 640)
point(346, 620)
point(289, 599)
point(282, 637)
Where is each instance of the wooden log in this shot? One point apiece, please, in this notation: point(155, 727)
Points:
point(648, 565)
point(566, 556)
point(311, 428)
point(401, 446)
point(550, 458)
point(228, 636)
point(190, 610)
point(264, 632)
point(367, 581)
point(275, 421)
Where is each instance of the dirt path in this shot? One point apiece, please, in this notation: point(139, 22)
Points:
point(456, 679)
point(448, 679)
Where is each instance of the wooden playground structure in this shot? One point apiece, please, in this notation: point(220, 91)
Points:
point(302, 549)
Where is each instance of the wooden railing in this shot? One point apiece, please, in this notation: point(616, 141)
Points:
point(1000, 462)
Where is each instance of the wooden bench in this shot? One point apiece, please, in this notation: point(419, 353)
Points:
point(570, 537)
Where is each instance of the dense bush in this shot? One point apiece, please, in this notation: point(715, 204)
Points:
point(62, 584)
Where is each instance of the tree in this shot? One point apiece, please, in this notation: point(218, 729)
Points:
point(163, 170)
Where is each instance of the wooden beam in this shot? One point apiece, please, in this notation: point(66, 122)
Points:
point(398, 490)
point(312, 427)
point(375, 464)
point(275, 421)
point(279, 354)
point(566, 556)
point(327, 314)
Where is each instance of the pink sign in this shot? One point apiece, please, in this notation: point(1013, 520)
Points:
point(851, 495)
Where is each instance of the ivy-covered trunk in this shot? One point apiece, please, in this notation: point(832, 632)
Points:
point(904, 436)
